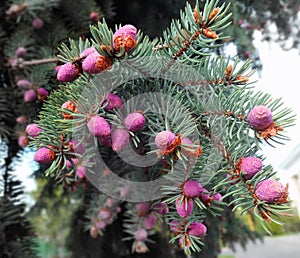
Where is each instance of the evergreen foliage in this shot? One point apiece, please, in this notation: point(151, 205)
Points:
point(30, 33)
point(210, 99)
point(248, 17)
point(148, 132)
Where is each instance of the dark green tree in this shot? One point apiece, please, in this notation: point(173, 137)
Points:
point(17, 235)
point(30, 32)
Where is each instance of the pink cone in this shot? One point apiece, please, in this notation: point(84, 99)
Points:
point(44, 155)
point(150, 221)
point(13, 10)
point(68, 72)
point(142, 208)
point(81, 171)
point(125, 191)
point(135, 121)
point(95, 63)
point(88, 51)
point(192, 189)
point(33, 130)
point(70, 165)
point(29, 95)
point(161, 208)
point(120, 139)
point(105, 213)
point(184, 210)
point(21, 51)
point(250, 166)
point(23, 141)
point(99, 127)
point(260, 118)
point(113, 100)
point(110, 202)
point(94, 16)
point(37, 23)
point(186, 140)
point(197, 229)
point(100, 224)
point(24, 84)
point(126, 30)
point(204, 195)
point(269, 190)
point(141, 234)
point(164, 139)
point(217, 197)
point(42, 92)
point(21, 119)
point(125, 36)
point(69, 106)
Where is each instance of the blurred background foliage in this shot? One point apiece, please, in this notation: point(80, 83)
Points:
point(53, 210)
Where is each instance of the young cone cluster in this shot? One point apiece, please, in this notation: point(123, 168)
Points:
point(199, 131)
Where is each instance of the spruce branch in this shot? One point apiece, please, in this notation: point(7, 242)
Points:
point(194, 35)
point(20, 63)
point(208, 107)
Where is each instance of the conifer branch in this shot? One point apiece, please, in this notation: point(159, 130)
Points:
point(169, 118)
point(20, 63)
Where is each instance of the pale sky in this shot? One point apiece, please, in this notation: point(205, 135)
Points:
point(280, 78)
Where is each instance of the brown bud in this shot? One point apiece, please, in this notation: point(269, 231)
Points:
point(209, 34)
point(213, 13)
point(228, 70)
point(94, 232)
